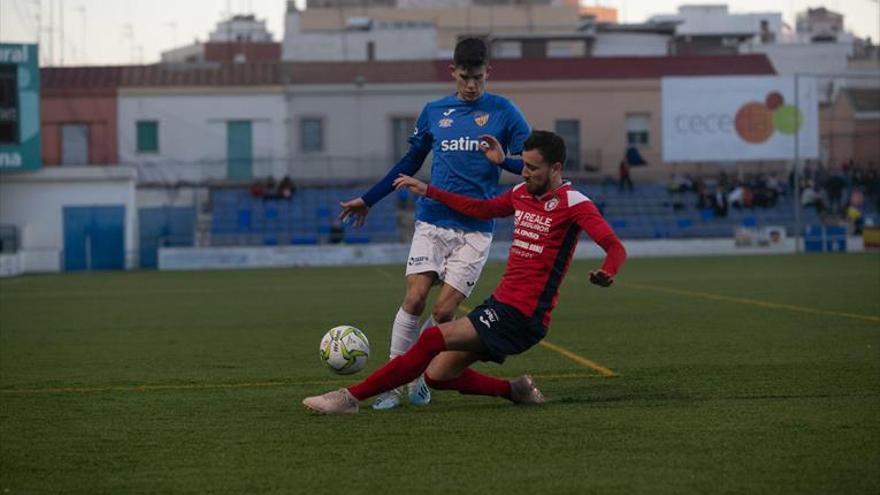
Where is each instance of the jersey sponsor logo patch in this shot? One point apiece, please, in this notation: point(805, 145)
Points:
point(488, 317)
point(551, 205)
point(460, 144)
point(448, 112)
point(481, 118)
point(528, 246)
point(445, 122)
point(417, 260)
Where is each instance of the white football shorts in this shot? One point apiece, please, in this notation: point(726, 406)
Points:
point(457, 257)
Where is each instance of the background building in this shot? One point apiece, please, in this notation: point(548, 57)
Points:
point(175, 147)
point(242, 38)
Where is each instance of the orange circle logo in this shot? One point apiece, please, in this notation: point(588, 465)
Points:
point(754, 122)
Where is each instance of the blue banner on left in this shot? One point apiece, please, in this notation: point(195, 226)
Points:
point(19, 107)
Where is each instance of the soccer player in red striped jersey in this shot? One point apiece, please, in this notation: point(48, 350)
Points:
point(549, 215)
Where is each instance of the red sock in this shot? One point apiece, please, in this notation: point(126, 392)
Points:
point(404, 368)
point(473, 383)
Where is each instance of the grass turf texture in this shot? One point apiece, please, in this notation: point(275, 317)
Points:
point(191, 383)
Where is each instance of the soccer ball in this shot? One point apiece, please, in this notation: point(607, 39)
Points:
point(344, 349)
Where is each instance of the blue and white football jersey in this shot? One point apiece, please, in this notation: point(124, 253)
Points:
point(451, 128)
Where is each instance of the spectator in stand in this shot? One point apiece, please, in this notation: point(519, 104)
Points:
point(834, 187)
point(286, 189)
point(854, 215)
point(689, 183)
point(723, 180)
point(820, 176)
point(679, 184)
point(719, 202)
point(807, 173)
point(704, 200)
point(739, 196)
point(813, 196)
point(257, 190)
point(699, 185)
point(624, 177)
point(872, 185)
point(775, 186)
point(270, 190)
point(673, 186)
point(337, 233)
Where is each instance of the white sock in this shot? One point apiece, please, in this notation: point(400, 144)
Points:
point(404, 332)
point(427, 324)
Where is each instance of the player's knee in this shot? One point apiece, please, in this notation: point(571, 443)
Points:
point(413, 304)
point(443, 312)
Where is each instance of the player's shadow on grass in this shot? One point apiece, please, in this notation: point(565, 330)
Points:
point(605, 399)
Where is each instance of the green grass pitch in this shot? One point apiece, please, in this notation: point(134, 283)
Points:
point(151, 382)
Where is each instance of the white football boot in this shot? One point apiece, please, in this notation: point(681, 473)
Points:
point(336, 402)
point(419, 393)
point(387, 400)
point(523, 391)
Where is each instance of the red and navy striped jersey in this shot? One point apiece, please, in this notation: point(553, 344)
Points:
point(545, 236)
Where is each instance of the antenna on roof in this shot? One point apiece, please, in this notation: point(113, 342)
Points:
point(82, 48)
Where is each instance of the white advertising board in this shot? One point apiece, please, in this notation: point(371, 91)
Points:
point(740, 118)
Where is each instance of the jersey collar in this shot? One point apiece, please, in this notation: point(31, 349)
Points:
point(547, 194)
point(470, 103)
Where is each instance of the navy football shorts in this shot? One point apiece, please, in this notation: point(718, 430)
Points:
point(504, 330)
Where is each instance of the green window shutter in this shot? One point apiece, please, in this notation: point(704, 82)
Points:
point(147, 136)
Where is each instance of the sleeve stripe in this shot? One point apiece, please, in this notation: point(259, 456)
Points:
point(575, 197)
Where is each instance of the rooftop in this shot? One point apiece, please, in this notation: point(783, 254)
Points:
point(425, 71)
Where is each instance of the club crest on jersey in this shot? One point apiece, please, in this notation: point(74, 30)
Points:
point(551, 205)
point(445, 122)
point(481, 118)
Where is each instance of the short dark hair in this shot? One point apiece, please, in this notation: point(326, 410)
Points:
point(470, 53)
point(549, 144)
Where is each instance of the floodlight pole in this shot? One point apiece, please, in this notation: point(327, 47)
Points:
point(798, 228)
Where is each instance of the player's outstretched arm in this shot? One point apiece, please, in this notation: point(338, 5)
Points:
point(483, 209)
point(356, 209)
point(591, 221)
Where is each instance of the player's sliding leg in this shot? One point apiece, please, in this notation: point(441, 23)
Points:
point(450, 371)
point(419, 393)
point(405, 329)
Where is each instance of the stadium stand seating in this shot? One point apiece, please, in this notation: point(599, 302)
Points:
point(242, 220)
point(651, 212)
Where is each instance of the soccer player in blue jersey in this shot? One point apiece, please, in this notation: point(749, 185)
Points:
point(473, 134)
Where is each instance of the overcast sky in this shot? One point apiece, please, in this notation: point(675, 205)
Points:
point(112, 32)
